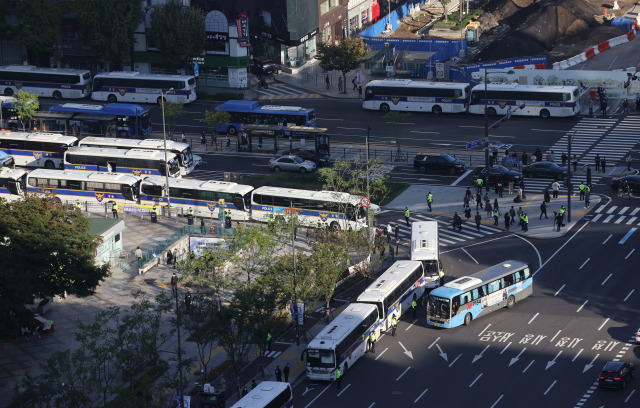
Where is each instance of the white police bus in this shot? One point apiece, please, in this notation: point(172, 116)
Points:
point(425, 247)
point(268, 394)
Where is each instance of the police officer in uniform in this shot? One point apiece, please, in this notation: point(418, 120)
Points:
point(429, 200)
point(114, 210)
point(441, 274)
point(78, 205)
point(394, 325)
point(338, 378)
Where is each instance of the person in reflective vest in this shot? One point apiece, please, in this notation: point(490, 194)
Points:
point(582, 186)
point(414, 307)
point(496, 214)
point(394, 326)
point(190, 212)
point(441, 274)
point(269, 338)
point(372, 340)
point(78, 205)
point(429, 200)
point(479, 183)
point(114, 210)
point(407, 214)
point(338, 378)
point(525, 223)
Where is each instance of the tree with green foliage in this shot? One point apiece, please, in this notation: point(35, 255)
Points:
point(107, 26)
point(178, 32)
point(26, 106)
point(40, 26)
point(215, 119)
point(330, 260)
point(172, 110)
point(344, 56)
point(254, 248)
point(47, 251)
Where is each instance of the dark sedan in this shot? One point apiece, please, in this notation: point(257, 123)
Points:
point(319, 159)
point(633, 181)
point(497, 172)
point(545, 170)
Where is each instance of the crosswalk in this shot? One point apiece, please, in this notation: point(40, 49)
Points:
point(281, 90)
point(272, 354)
point(446, 233)
point(617, 214)
point(617, 143)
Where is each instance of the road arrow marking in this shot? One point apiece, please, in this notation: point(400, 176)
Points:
point(552, 362)
point(443, 355)
point(307, 389)
point(588, 366)
point(478, 356)
point(513, 360)
point(405, 351)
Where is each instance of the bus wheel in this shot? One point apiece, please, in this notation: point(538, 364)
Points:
point(57, 95)
point(467, 319)
point(384, 108)
point(335, 226)
point(231, 130)
point(436, 109)
point(511, 301)
point(112, 98)
point(49, 165)
point(8, 92)
point(545, 114)
point(491, 111)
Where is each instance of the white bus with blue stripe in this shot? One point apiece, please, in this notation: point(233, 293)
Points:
point(268, 394)
point(56, 83)
point(425, 248)
point(469, 297)
point(342, 342)
point(36, 149)
point(393, 292)
point(203, 197)
point(143, 88)
point(416, 96)
point(12, 183)
point(138, 162)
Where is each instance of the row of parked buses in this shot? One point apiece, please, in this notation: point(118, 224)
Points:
point(455, 97)
point(64, 83)
point(95, 190)
point(344, 340)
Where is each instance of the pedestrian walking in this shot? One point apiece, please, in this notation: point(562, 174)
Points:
point(625, 106)
point(603, 164)
point(414, 307)
point(394, 326)
point(524, 159)
point(603, 106)
point(511, 186)
point(407, 214)
point(478, 218)
point(500, 189)
point(184, 138)
point(338, 378)
point(496, 215)
point(488, 209)
point(597, 159)
point(227, 141)
point(114, 210)
point(430, 200)
point(389, 232)
point(558, 220)
point(286, 372)
point(468, 194)
point(174, 281)
point(525, 223)
point(486, 198)
point(512, 214)
point(552, 157)
point(187, 302)
point(465, 202)
point(543, 210)
point(581, 187)
point(590, 107)
point(467, 213)
point(355, 84)
point(327, 81)
point(169, 258)
point(507, 221)
point(203, 138)
point(278, 374)
point(495, 204)
point(254, 384)
point(555, 186)
point(547, 196)
point(574, 161)
point(245, 391)
point(397, 232)
point(564, 159)
point(340, 86)
point(372, 339)
point(628, 160)
point(479, 200)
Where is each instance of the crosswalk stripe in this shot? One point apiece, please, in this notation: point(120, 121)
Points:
point(619, 220)
point(608, 218)
point(635, 211)
point(624, 210)
point(601, 207)
point(596, 218)
point(631, 220)
point(612, 209)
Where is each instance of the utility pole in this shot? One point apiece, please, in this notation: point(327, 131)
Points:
point(180, 387)
point(569, 181)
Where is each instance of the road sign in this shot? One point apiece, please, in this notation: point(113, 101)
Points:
point(439, 70)
point(365, 202)
point(475, 143)
point(510, 160)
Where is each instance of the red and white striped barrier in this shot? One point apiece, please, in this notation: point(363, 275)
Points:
point(595, 50)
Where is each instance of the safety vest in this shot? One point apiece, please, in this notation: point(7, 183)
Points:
point(338, 373)
point(153, 210)
point(526, 219)
point(78, 205)
point(414, 304)
point(479, 182)
point(430, 198)
point(588, 188)
point(394, 322)
point(441, 273)
point(406, 213)
point(190, 212)
point(561, 211)
point(114, 207)
point(268, 336)
point(373, 337)
point(582, 186)
point(496, 213)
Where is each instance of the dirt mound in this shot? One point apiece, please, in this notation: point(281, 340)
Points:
point(535, 27)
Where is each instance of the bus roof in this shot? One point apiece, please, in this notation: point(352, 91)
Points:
point(464, 283)
point(328, 196)
point(208, 185)
point(424, 240)
point(155, 144)
point(515, 86)
point(85, 176)
point(260, 396)
point(135, 74)
point(39, 137)
point(136, 153)
point(409, 83)
point(128, 109)
point(254, 106)
point(387, 281)
point(342, 325)
point(33, 68)
point(13, 174)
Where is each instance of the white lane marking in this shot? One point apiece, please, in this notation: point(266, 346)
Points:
point(455, 183)
point(585, 262)
point(434, 342)
point(343, 390)
point(554, 337)
point(612, 209)
point(561, 287)
point(580, 308)
point(606, 279)
point(624, 210)
point(420, 396)
point(411, 325)
point(630, 394)
point(318, 396)
point(380, 355)
point(495, 403)
point(619, 220)
point(635, 211)
point(606, 220)
point(349, 128)
point(535, 249)
point(483, 330)
point(456, 359)
point(574, 359)
point(527, 367)
point(560, 249)
point(627, 257)
point(536, 315)
point(602, 325)
point(474, 381)
point(418, 131)
point(605, 241)
point(551, 386)
point(403, 373)
point(625, 299)
point(472, 258)
point(505, 348)
point(631, 220)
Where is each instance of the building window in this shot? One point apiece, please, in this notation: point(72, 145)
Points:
point(326, 35)
point(266, 17)
point(328, 5)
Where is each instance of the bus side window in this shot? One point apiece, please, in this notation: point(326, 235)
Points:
point(517, 276)
point(482, 290)
point(508, 280)
point(527, 273)
point(455, 305)
point(474, 294)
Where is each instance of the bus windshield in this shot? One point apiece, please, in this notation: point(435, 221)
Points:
point(186, 156)
point(439, 307)
point(321, 358)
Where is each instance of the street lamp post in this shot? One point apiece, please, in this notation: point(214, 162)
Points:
point(166, 164)
point(295, 285)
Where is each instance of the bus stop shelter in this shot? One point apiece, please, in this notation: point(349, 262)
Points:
point(269, 137)
point(53, 121)
point(97, 125)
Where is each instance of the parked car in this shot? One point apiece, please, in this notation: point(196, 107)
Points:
point(291, 163)
point(632, 181)
point(319, 159)
point(545, 170)
point(261, 66)
point(615, 374)
point(497, 172)
point(438, 163)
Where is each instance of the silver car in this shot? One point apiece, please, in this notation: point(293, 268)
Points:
point(292, 163)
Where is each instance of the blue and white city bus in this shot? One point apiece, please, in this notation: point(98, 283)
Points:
point(393, 292)
point(342, 342)
point(56, 83)
point(12, 183)
point(36, 149)
point(203, 197)
point(268, 394)
point(250, 112)
point(139, 162)
point(465, 299)
point(122, 120)
point(416, 96)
